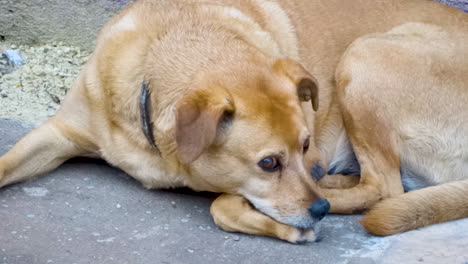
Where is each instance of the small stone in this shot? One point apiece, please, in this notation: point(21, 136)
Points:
point(174, 205)
point(184, 220)
point(190, 250)
point(236, 238)
point(54, 98)
point(118, 206)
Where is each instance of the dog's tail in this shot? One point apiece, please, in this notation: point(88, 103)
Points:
point(418, 208)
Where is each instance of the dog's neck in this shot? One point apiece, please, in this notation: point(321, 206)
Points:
point(145, 115)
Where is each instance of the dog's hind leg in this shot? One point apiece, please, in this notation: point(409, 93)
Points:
point(374, 143)
point(339, 181)
point(233, 213)
point(380, 179)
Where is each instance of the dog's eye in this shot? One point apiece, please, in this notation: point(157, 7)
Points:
point(306, 145)
point(269, 164)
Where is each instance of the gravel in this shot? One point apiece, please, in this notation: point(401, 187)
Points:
point(33, 92)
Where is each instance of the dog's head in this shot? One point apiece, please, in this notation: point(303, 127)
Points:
point(245, 133)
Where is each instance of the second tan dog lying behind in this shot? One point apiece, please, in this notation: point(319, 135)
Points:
point(403, 96)
point(406, 93)
point(215, 95)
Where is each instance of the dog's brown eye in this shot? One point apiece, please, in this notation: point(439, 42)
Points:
point(269, 164)
point(306, 145)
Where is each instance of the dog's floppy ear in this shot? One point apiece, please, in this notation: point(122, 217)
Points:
point(197, 119)
point(307, 86)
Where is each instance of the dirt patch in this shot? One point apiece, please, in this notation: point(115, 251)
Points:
point(33, 92)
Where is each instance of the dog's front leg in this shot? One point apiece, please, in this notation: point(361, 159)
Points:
point(233, 213)
point(40, 151)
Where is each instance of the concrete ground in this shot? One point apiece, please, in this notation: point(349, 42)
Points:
point(89, 212)
point(72, 22)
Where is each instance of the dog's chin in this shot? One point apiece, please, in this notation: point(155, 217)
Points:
point(298, 221)
point(306, 227)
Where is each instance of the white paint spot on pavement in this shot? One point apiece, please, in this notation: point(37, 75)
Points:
point(107, 240)
point(371, 247)
point(35, 191)
point(152, 232)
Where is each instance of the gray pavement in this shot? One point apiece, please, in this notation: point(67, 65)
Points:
point(88, 212)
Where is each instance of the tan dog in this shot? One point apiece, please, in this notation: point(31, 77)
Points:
point(404, 96)
point(206, 94)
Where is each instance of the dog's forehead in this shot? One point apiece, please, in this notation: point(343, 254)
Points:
point(275, 109)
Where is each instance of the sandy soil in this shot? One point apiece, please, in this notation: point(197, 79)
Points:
point(34, 91)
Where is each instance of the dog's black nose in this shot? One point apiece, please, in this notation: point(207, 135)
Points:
point(319, 209)
point(317, 171)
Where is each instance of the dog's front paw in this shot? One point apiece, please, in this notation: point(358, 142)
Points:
point(2, 176)
point(300, 236)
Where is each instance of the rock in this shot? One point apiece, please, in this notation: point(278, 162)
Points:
point(14, 57)
point(3, 94)
point(55, 98)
